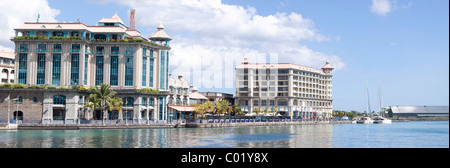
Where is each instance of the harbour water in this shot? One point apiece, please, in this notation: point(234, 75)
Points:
point(414, 134)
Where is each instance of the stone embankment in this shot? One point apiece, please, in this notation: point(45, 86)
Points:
point(172, 124)
point(243, 124)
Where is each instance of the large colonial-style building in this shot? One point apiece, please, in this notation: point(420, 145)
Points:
point(294, 90)
point(61, 55)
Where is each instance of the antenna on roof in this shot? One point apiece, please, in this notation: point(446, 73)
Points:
point(79, 19)
point(39, 16)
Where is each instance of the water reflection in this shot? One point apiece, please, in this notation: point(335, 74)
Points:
point(295, 136)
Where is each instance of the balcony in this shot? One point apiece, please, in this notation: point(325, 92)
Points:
point(128, 53)
point(114, 52)
point(41, 50)
point(99, 52)
point(22, 50)
point(75, 50)
point(57, 50)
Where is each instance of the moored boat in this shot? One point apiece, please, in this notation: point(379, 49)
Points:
point(364, 120)
point(381, 120)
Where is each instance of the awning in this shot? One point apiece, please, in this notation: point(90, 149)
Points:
point(182, 108)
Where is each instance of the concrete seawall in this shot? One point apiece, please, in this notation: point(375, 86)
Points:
point(89, 126)
point(243, 124)
point(174, 124)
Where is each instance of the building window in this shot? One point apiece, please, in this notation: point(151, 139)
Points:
point(144, 71)
point(162, 71)
point(23, 48)
point(151, 73)
point(167, 70)
point(22, 68)
point(144, 101)
point(58, 33)
point(144, 52)
point(98, 70)
point(59, 100)
point(35, 99)
point(114, 71)
point(75, 48)
point(86, 58)
point(128, 101)
point(129, 51)
point(42, 48)
point(162, 102)
point(40, 69)
point(114, 51)
point(75, 69)
point(100, 50)
point(57, 48)
point(56, 70)
point(128, 71)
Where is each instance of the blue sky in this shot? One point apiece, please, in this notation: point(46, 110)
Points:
point(402, 44)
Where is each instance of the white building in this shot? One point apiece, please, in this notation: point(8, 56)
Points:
point(6, 67)
point(295, 90)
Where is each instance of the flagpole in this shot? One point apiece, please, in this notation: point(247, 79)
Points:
point(9, 106)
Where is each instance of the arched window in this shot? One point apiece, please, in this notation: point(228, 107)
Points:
point(59, 100)
point(18, 115)
point(144, 101)
point(128, 101)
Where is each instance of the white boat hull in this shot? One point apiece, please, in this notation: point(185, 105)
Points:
point(382, 121)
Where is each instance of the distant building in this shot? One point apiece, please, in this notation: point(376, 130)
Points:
point(196, 98)
point(178, 91)
point(215, 96)
point(6, 67)
point(417, 111)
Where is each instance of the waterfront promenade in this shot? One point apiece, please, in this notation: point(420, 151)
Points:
point(203, 123)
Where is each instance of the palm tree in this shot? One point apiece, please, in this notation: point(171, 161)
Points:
point(199, 110)
point(237, 110)
point(115, 103)
point(93, 103)
point(208, 107)
point(105, 95)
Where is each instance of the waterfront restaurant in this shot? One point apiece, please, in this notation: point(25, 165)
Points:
point(60, 60)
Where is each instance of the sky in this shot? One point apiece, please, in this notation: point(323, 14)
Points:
point(401, 46)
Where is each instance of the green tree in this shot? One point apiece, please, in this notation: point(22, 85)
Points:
point(103, 97)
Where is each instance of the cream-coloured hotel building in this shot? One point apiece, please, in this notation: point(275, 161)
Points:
point(294, 90)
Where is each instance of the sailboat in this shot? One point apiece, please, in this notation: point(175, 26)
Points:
point(366, 119)
point(380, 119)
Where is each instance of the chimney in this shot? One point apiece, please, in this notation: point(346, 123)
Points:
point(132, 19)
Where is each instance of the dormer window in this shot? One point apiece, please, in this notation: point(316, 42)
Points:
point(109, 24)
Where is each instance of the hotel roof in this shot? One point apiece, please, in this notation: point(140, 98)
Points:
point(114, 19)
point(6, 54)
point(52, 26)
point(280, 66)
point(160, 34)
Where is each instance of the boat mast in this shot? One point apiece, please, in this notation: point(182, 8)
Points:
point(368, 100)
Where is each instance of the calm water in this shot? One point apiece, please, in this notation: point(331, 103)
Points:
point(396, 135)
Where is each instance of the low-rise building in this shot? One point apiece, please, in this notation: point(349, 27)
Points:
point(6, 67)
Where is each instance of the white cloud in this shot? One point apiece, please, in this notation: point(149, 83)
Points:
point(210, 38)
point(15, 13)
point(381, 7)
